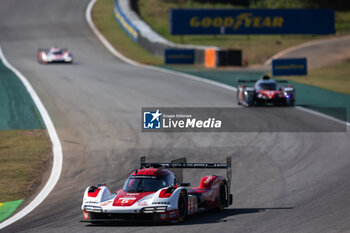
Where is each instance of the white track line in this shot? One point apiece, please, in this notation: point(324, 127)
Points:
point(56, 149)
point(116, 53)
point(322, 115)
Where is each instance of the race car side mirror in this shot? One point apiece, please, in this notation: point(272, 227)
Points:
point(185, 184)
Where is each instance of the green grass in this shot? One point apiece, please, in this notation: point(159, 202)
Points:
point(342, 19)
point(335, 78)
point(24, 156)
point(256, 48)
point(104, 20)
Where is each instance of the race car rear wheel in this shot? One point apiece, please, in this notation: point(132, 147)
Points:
point(182, 207)
point(222, 196)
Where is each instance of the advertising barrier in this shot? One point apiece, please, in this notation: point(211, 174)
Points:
point(179, 56)
point(229, 57)
point(251, 21)
point(289, 66)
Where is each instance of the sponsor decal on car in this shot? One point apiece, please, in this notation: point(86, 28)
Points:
point(208, 179)
point(91, 202)
point(106, 203)
point(142, 203)
point(126, 201)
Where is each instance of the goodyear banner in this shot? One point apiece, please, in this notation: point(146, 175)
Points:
point(289, 66)
point(179, 56)
point(253, 21)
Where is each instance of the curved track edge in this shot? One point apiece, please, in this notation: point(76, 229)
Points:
point(56, 149)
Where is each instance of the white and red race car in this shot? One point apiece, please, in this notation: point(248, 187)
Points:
point(155, 193)
point(54, 55)
point(265, 92)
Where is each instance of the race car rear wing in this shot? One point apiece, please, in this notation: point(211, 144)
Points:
point(44, 50)
point(282, 81)
point(182, 163)
point(250, 82)
point(47, 50)
point(255, 80)
point(247, 81)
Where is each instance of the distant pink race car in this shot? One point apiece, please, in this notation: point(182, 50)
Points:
point(54, 55)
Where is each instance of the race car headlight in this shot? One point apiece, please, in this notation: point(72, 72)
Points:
point(92, 208)
point(161, 209)
point(148, 210)
point(157, 209)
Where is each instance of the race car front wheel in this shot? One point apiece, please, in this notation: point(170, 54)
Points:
point(182, 207)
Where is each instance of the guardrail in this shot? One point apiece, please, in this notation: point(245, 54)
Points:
point(125, 23)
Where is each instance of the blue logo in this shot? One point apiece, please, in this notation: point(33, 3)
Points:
point(289, 66)
point(152, 120)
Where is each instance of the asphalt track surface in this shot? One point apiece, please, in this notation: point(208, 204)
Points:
point(282, 182)
point(321, 53)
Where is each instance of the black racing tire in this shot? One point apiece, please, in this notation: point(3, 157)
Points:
point(222, 197)
point(250, 100)
point(182, 207)
point(292, 104)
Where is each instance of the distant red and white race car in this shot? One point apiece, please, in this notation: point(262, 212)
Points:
point(265, 92)
point(54, 55)
point(154, 192)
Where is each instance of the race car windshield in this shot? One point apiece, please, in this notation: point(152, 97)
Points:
point(57, 52)
point(143, 185)
point(266, 86)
